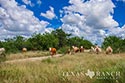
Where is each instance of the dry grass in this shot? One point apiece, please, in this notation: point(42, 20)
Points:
point(27, 55)
point(52, 70)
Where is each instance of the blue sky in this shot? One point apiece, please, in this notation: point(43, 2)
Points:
point(91, 19)
point(119, 13)
point(44, 6)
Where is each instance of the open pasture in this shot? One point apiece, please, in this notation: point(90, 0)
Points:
point(64, 69)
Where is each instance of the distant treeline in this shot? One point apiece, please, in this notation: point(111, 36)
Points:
point(58, 39)
point(117, 43)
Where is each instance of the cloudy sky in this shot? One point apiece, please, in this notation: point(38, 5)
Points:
point(91, 19)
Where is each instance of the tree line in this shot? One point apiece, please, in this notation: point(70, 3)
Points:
point(117, 43)
point(58, 39)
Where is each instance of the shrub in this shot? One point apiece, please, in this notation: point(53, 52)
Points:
point(63, 50)
point(2, 57)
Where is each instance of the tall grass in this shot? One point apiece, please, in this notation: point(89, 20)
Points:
point(54, 70)
point(2, 57)
point(27, 55)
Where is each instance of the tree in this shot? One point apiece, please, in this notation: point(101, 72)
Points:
point(62, 37)
point(19, 42)
point(77, 41)
point(86, 44)
point(35, 41)
point(49, 40)
point(115, 42)
point(42, 41)
point(1, 44)
point(10, 46)
point(58, 39)
point(123, 45)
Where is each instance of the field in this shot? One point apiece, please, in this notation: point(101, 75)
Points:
point(27, 55)
point(77, 68)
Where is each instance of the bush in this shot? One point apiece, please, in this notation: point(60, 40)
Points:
point(117, 43)
point(63, 50)
point(2, 57)
point(50, 61)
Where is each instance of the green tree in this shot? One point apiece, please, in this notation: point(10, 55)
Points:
point(123, 45)
point(115, 42)
point(62, 37)
point(58, 39)
point(49, 40)
point(77, 41)
point(19, 42)
point(10, 46)
point(86, 44)
point(1, 44)
point(35, 41)
point(42, 41)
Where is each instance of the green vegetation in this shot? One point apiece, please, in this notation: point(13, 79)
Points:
point(58, 39)
point(53, 70)
point(65, 69)
point(2, 58)
point(117, 43)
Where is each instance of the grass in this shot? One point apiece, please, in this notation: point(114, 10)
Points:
point(66, 69)
point(27, 55)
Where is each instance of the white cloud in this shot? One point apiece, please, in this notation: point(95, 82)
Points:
point(85, 19)
point(89, 19)
point(28, 2)
point(39, 2)
point(17, 20)
point(49, 14)
point(121, 0)
point(119, 32)
point(102, 33)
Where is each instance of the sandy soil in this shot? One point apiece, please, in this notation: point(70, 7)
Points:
point(32, 59)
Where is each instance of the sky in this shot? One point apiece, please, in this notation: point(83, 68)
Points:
point(92, 19)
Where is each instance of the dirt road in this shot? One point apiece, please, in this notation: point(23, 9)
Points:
point(32, 59)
